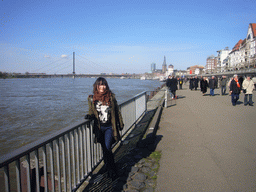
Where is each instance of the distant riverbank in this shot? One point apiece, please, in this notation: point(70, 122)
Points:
point(4, 75)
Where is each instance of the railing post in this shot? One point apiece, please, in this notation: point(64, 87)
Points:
point(146, 107)
point(7, 178)
point(166, 93)
point(18, 175)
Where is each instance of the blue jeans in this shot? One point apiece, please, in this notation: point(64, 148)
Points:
point(106, 145)
point(223, 90)
point(246, 99)
point(234, 98)
point(211, 92)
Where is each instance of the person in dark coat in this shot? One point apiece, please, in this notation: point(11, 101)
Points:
point(203, 85)
point(191, 83)
point(196, 80)
point(212, 85)
point(168, 83)
point(240, 80)
point(223, 84)
point(235, 89)
point(180, 82)
point(173, 86)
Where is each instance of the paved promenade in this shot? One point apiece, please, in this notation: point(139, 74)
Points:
point(207, 144)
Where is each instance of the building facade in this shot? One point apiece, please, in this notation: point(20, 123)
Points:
point(243, 54)
point(170, 70)
point(235, 57)
point(211, 64)
point(250, 48)
point(195, 70)
point(222, 59)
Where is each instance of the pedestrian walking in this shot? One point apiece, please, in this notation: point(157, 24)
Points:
point(248, 86)
point(229, 82)
point(168, 84)
point(223, 84)
point(104, 110)
point(173, 86)
point(196, 80)
point(235, 89)
point(180, 82)
point(212, 85)
point(191, 83)
point(203, 85)
point(240, 80)
point(254, 81)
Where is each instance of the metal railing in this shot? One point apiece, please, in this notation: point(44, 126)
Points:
point(132, 110)
point(64, 160)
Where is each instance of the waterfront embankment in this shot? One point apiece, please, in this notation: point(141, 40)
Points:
point(202, 143)
point(207, 144)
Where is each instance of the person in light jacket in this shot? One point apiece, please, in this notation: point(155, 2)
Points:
point(108, 121)
point(248, 86)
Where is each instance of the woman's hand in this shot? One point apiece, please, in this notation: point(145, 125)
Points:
point(90, 117)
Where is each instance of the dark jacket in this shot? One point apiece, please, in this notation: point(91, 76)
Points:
point(223, 82)
point(116, 118)
point(196, 80)
point(212, 84)
point(191, 83)
point(204, 85)
point(172, 84)
point(234, 88)
point(168, 81)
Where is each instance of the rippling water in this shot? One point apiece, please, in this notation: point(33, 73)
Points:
point(32, 108)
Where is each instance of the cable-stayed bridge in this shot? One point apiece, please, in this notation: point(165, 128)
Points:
point(71, 75)
point(82, 68)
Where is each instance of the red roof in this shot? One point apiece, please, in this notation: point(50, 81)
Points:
point(236, 47)
point(253, 26)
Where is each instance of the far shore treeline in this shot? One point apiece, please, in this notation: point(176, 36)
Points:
point(4, 75)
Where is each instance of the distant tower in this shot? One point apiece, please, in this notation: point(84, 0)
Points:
point(153, 67)
point(164, 66)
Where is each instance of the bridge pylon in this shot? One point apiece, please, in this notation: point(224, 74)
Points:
point(74, 72)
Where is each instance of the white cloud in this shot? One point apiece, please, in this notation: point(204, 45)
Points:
point(64, 56)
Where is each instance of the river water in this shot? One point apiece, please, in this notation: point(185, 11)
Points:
point(32, 108)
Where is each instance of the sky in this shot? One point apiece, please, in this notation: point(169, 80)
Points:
point(120, 36)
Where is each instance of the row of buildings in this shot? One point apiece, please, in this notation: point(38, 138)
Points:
point(165, 71)
point(242, 56)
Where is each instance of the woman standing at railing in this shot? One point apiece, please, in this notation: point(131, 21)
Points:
point(104, 110)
